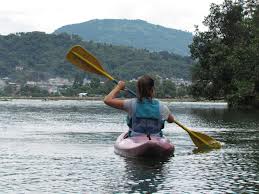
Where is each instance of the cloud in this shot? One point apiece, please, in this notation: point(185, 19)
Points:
point(12, 26)
point(48, 15)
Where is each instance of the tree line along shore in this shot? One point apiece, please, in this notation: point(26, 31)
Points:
point(224, 61)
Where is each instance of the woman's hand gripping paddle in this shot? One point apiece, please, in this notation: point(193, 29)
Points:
point(88, 62)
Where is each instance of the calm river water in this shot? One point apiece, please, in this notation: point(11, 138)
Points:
point(67, 147)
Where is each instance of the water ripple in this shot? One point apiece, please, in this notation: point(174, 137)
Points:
point(67, 147)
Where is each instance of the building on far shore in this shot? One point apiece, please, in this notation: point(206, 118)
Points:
point(2, 84)
point(180, 81)
point(176, 81)
point(52, 85)
point(83, 94)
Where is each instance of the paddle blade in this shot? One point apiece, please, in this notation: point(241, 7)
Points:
point(84, 60)
point(201, 140)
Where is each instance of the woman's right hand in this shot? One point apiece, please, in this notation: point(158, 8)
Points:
point(111, 99)
point(121, 85)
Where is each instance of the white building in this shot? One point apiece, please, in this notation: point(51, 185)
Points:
point(19, 68)
point(81, 95)
point(86, 81)
point(2, 84)
point(58, 81)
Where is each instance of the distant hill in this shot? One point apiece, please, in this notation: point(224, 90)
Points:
point(39, 56)
point(133, 33)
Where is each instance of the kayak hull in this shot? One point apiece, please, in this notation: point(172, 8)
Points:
point(141, 146)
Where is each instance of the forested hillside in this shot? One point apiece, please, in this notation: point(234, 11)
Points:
point(135, 33)
point(39, 56)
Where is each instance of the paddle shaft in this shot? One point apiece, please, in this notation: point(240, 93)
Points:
point(104, 73)
point(126, 89)
point(180, 125)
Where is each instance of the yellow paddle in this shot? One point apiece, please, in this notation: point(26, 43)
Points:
point(88, 62)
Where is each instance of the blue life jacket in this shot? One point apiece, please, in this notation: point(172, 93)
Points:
point(146, 117)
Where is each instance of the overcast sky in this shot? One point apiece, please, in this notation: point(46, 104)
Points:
point(48, 15)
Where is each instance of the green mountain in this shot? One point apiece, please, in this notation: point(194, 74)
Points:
point(133, 33)
point(39, 56)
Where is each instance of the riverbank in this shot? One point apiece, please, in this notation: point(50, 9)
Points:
point(50, 98)
point(101, 98)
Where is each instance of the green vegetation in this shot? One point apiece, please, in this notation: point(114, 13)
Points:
point(134, 33)
point(42, 56)
point(37, 57)
point(164, 89)
point(227, 54)
point(33, 91)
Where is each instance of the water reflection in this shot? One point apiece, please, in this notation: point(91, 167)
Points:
point(84, 137)
point(67, 147)
point(145, 175)
point(231, 118)
point(201, 150)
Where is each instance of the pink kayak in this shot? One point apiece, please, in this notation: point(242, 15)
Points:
point(141, 146)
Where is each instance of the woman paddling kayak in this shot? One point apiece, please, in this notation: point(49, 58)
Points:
point(146, 115)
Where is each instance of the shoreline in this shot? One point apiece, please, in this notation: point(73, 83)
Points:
point(101, 98)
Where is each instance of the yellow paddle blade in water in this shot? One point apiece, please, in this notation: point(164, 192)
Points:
point(201, 140)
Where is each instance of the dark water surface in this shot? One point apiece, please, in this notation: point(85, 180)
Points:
point(67, 147)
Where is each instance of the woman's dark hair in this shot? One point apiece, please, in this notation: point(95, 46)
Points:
point(145, 87)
